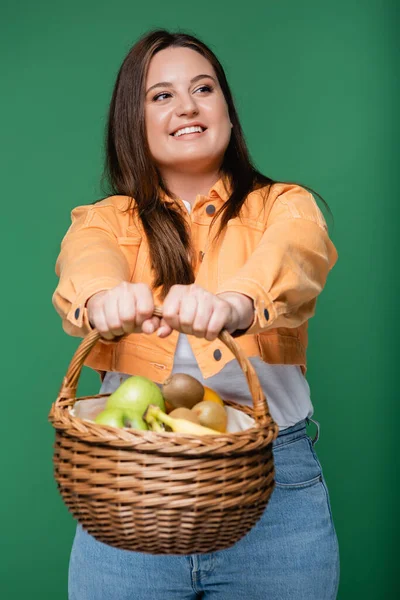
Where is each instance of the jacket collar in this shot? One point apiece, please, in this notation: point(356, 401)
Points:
point(221, 189)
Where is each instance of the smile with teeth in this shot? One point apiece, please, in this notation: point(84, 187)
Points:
point(185, 130)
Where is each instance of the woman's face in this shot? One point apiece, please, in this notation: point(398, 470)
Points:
point(182, 91)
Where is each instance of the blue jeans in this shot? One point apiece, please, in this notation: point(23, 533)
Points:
point(291, 553)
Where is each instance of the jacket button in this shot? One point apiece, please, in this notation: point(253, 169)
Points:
point(210, 210)
point(77, 312)
point(266, 314)
point(217, 354)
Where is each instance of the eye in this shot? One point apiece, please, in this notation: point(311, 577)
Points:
point(205, 88)
point(161, 96)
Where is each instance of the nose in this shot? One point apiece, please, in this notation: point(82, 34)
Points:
point(187, 106)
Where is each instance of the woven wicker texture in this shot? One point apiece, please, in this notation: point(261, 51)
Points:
point(163, 493)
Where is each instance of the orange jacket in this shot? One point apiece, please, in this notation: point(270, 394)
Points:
point(279, 255)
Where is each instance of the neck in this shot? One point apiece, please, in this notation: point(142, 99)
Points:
point(188, 186)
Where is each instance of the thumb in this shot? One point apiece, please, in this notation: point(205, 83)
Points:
point(164, 330)
point(151, 325)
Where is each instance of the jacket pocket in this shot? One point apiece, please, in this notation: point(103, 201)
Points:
point(239, 242)
point(284, 332)
point(270, 341)
point(130, 246)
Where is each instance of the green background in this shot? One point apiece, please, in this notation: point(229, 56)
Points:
point(317, 90)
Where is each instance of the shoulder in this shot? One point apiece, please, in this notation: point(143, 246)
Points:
point(112, 212)
point(117, 203)
point(285, 200)
point(108, 204)
point(272, 192)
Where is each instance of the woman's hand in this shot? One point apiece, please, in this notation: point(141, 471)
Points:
point(193, 310)
point(126, 308)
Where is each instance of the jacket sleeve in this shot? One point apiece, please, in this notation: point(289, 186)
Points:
point(289, 267)
point(90, 261)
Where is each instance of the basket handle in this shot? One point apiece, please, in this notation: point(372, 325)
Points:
point(261, 410)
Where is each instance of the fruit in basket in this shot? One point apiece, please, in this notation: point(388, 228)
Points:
point(210, 394)
point(135, 421)
point(154, 413)
point(184, 413)
point(211, 414)
point(114, 417)
point(182, 390)
point(168, 407)
point(134, 395)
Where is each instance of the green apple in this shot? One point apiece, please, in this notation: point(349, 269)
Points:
point(134, 395)
point(110, 416)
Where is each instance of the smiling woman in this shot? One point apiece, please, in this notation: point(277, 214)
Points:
point(178, 165)
point(192, 99)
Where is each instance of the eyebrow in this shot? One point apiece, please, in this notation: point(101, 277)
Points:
point(169, 84)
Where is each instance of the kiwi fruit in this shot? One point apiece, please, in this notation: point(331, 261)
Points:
point(182, 390)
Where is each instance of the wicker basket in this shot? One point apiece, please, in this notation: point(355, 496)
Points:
point(163, 493)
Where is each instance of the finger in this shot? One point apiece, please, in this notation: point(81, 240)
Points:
point(127, 310)
point(203, 315)
point(171, 305)
point(110, 308)
point(144, 303)
point(100, 322)
point(187, 314)
point(217, 322)
point(164, 329)
point(151, 325)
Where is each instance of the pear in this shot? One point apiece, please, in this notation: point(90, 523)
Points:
point(113, 417)
point(133, 420)
point(133, 397)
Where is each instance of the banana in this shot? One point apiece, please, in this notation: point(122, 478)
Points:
point(154, 425)
point(177, 425)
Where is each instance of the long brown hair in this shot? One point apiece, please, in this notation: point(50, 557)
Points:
point(130, 171)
